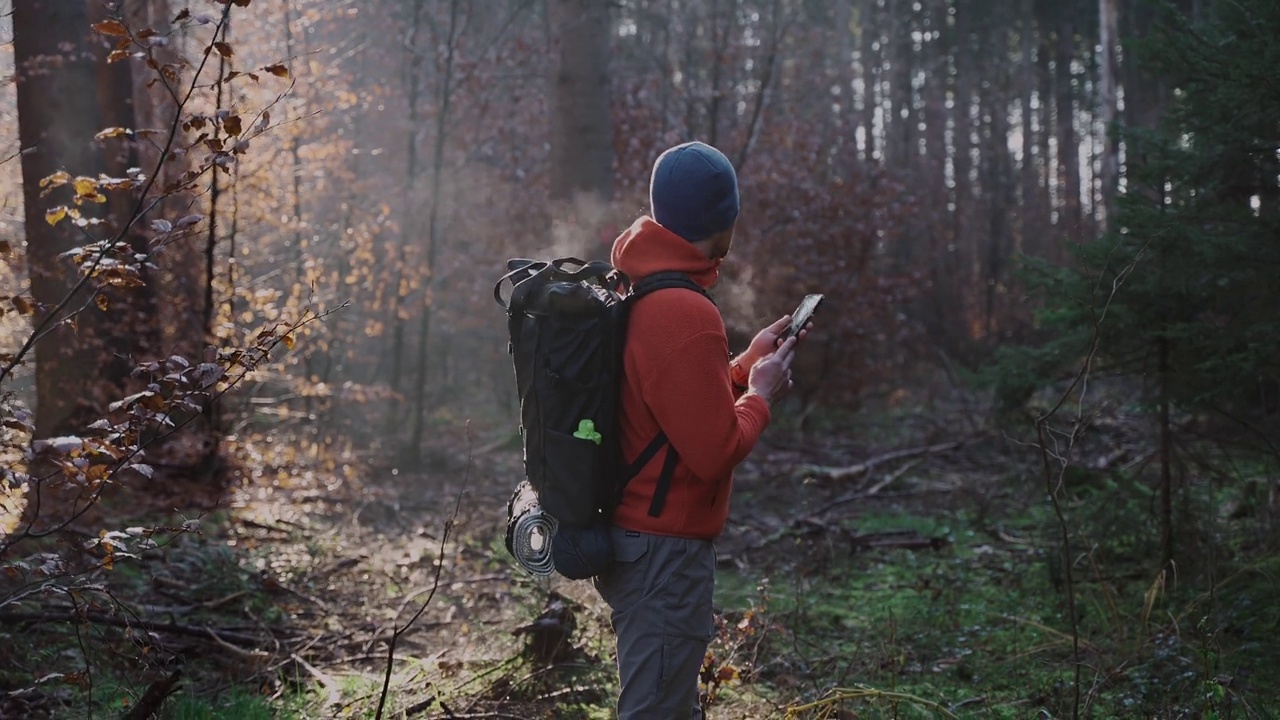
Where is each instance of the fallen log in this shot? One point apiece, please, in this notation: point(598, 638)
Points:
point(857, 470)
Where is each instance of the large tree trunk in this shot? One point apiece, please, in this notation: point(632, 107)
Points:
point(869, 64)
point(1110, 173)
point(445, 99)
point(900, 121)
point(581, 125)
point(57, 119)
point(1030, 217)
point(1069, 217)
point(155, 108)
point(132, 333)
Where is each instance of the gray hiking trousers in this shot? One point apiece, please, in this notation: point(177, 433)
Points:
point(660, 590)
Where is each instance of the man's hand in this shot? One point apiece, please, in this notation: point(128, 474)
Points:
point(771, 375)
point(766, 341)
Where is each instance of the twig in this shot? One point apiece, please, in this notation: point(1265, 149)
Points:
point(232, 648)
point(335, 693)
point(1055, 484)
point(435, 582)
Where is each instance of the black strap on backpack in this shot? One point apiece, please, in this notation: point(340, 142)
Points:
point(652, 283)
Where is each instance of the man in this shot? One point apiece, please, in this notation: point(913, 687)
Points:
point(678, 381)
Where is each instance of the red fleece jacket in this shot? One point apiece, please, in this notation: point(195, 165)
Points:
point(678, 378)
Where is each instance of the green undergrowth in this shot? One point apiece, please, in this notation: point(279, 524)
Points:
point(981, 628)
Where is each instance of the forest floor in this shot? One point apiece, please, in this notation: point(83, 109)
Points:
point(923, 583)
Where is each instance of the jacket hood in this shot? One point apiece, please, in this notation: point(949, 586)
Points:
point(646, 248)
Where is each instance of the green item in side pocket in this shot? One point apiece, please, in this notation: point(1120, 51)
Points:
point(587, 431)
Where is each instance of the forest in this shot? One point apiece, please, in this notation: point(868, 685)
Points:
point(259, 422)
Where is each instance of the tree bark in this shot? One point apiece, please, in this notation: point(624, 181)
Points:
point(581, 124)
point(58, 116)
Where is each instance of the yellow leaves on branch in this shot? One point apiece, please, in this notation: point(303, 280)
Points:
point(86, 189)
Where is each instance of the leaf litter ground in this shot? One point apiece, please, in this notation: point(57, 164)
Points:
point(920, 586)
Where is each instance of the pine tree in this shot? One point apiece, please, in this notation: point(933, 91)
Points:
point(1181, 289)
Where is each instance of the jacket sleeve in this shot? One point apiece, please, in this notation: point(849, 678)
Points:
point(692, 398)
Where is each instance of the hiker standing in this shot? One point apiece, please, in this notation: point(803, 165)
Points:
point(678, 382)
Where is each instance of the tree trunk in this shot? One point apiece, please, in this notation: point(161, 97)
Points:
point(433, 236)
point(58, 116)
point(581, 125)
point(131, 312)
point(997, 188)
point(1030, 217)
point(1068, 143)
point(409, 200)
point(1107, 69)
point(1166, 457)
point(900, 122)
point(155, 108)
point(960, 281)
point(869, 62)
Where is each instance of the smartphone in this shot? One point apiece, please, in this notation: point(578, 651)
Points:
point(803, 314)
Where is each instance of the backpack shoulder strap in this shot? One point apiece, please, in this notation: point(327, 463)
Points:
point(664, 281)
point(648, 284)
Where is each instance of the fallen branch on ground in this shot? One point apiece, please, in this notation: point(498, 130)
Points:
point(199, 631)
point(857, 470)
point(149, 704)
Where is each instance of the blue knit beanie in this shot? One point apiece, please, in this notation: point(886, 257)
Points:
point(694, 191)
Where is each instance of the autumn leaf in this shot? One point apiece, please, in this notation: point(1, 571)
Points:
point(87, 189)
point(288, 341)
point(223, 49)
point(112, 132)
point(23, 305)
point(62, 177)
point(232, 125)
point(103, 303)
point(117, 56)
point(113, 28)
point(278, 70)
point(182, 16)
point(55, 215)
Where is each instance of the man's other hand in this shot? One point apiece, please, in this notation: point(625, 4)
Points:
point(771, 376)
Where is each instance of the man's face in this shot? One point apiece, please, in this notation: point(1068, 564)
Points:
point(720, 245)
